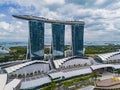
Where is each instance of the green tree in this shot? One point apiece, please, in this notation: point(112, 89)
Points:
point(46, 88)
point(47, 50)
point(118, 72)
point(53, 85)
point(85, 77)
point(94, 76)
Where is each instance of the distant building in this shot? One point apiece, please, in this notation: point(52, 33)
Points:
point(68, 53)
point(48, 56)
point(4, 50)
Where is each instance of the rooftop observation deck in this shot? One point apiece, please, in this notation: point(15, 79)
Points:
point(29, 17)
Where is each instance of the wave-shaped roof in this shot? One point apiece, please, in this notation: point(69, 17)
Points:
point(109, 56)
point(16, 67)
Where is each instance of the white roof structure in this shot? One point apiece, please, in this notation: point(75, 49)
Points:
point(47, 79)
point(77, 72)
point(109, 56)
point(117, 66)
point(10, 62)
point(3, 80)
point(16, 67)
point(69, 74)
point(59, 62)
point(35, 82)
point(94, 67)
point(56, 75)
point(13, 84)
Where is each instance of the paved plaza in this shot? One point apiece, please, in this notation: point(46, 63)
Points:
point(107, 75)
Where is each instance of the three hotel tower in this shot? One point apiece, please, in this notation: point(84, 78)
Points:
point(36, 37)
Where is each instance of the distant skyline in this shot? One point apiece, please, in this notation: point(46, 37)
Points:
point(102, 18)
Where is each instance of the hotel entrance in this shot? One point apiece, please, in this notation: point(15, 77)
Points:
point(103, 70)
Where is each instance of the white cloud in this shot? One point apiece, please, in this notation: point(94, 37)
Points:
point(100, 21)
point(54, 2)
point(4, 25)
point(12, 10)
point(15, 30)
point(115, 5)
point(2, 15)
point(100, 2)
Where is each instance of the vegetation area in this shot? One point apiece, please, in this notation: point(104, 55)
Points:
point(74, 83)
point(100, 49)
point(92, 50)
point(16, 53)
point(19, 53)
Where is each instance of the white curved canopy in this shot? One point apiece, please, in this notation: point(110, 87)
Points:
point(16, 67)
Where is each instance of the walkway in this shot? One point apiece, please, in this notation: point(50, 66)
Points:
point(106, 75)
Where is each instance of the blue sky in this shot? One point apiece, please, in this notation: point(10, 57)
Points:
point(102, 18)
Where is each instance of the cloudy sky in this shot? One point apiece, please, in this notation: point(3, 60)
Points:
point(102, 18)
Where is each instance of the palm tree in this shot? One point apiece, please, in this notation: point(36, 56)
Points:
point(35, 73)
point(39, 72)
point(31, 74)
point(23, 76)
point(27, 75)
point(118, 72)
point(94, 76)
point(20, 76)
point(12, 76)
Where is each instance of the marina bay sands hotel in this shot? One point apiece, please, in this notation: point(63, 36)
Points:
point(36, 37)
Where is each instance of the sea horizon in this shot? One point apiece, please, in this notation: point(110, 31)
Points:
point(24, 43)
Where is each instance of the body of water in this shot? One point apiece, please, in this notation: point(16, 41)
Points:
point(13, 44)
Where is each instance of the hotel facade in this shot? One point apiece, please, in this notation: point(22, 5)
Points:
point(36, 37)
